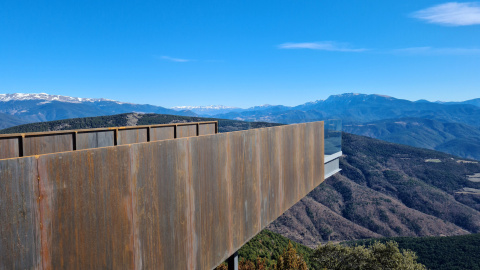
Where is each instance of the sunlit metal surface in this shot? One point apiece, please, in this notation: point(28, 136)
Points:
point(187, 203)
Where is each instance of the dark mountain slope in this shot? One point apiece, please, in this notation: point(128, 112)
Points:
point(9, 120)
point(120, 120)
point(390, 190)
point(453, 138)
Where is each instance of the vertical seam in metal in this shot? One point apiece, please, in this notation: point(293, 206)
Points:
point(132, 190)
point(40, 226)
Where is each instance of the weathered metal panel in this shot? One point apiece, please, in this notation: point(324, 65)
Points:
point(162, 133)
point(206, 129)
point(164, 204)
point(266, 184)
point(9, 147)
point(95, 139)
point(45, 144)
point(19, 214)
point(252, 185)
point(86, 205)
point(186, 131)
point(319, 156)
point(129, 136)
point(211, 184)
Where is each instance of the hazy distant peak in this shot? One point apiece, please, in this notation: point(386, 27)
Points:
point(263, 106)
point(349, 95)
point(314, 102)
point(423, 101)
point(47, 98)
point(209, 107)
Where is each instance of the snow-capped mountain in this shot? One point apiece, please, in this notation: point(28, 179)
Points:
point(28, 108)
point(209, 110)
point(47, 97)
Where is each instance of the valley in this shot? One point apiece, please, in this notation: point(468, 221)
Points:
point(384, 189)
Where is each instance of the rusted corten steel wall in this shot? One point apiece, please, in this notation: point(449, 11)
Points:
point(29, 144)
point(175, 204)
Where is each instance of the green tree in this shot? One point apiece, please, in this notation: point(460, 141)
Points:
point(377, 256)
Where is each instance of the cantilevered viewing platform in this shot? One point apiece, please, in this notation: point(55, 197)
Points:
point(178, 196)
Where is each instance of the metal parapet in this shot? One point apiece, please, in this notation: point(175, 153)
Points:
point(187, 203)
point(39, 143)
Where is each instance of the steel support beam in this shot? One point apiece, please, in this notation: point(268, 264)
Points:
point(233, 262)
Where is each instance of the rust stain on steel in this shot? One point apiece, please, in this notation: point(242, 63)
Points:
point(162, 133)
point(206, 129)
point(38, 145)
point(186, 131)
point(129, 136)
point(9, 147)
point(88, 140)
point(187, 203)
point(165, 206)
point(19, 215)
point(85, 203)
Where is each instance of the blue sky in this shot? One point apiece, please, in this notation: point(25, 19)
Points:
point(240, 53)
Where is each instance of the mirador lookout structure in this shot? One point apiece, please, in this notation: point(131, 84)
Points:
point(179, 196)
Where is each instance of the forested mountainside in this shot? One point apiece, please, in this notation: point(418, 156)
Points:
point(440, 253)
point(130, 119)
point(384, 189)
point(387, 189)
point(453, 138)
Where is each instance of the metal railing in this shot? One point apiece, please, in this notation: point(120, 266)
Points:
point(38, 143)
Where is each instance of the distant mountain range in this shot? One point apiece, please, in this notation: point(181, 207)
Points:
point(17, 109)
point(452, 127)
point(361, 108)
point(350, 107)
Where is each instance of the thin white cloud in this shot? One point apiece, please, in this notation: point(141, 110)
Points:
point(451, 14)
point(178, 60)
point(322, 45)
point(438, 51)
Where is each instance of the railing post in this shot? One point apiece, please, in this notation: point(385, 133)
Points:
point(74, 141)
point(233, 261)
point(115, 136)
point(21, 147)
